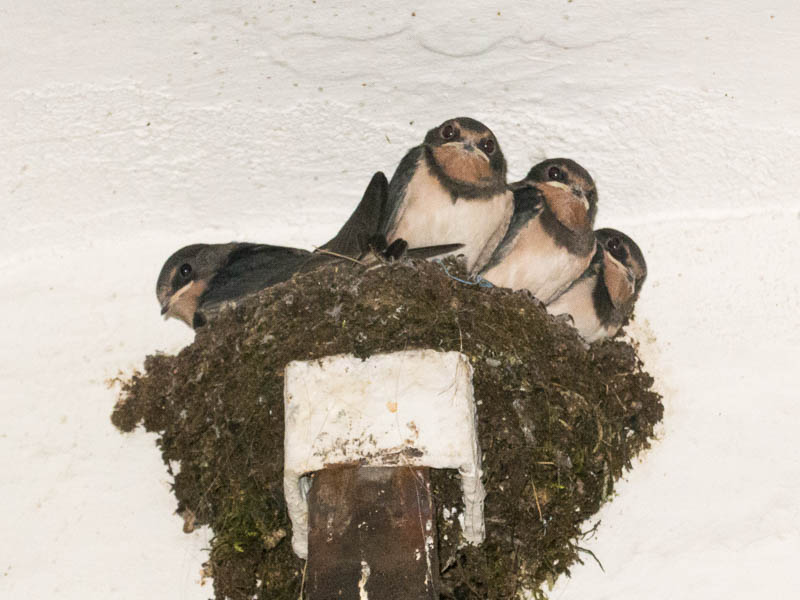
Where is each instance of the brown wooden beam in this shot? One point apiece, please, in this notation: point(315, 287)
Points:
point(372, 535)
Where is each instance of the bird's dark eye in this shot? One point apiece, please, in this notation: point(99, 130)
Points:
point(487, 146)
point(556, 174)
point(617, 249)
point(185, 270)
point(448, 131)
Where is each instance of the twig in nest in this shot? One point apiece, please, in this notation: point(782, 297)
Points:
point(536, 497)
point(303, 582)
point(337, 255)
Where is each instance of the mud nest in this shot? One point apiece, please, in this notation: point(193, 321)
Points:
point(558, 421)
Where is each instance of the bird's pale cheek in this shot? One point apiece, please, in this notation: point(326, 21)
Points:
point(185, 305)
point(619, 281)
point(463, 165)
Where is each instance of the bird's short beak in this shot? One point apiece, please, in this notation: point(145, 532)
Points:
point(168, 302)
point(163, 299)
point(577, 192)
point(468, 147)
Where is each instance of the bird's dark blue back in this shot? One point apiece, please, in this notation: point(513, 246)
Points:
point(251, 268)
point(397, 188)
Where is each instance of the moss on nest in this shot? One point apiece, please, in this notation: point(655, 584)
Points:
point(558, 421)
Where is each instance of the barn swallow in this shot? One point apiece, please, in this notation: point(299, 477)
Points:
point(451, 189)
point(209, 275)
point(185, 277)
point(196, 281)
point(602, 299)
point(549, 241)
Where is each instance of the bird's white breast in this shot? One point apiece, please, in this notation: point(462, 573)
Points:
point(429, 216)
point(577, 302)
point(536, 263)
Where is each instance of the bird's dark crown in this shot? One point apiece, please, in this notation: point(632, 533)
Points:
point(574, 175)
point(200, 261)
point(186, 255)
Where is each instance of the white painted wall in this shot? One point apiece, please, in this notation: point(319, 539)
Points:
point(128, 129)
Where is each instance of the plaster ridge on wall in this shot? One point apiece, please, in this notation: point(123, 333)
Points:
point(712, 215)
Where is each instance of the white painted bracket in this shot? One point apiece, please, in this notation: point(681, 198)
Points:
point(413, 408)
